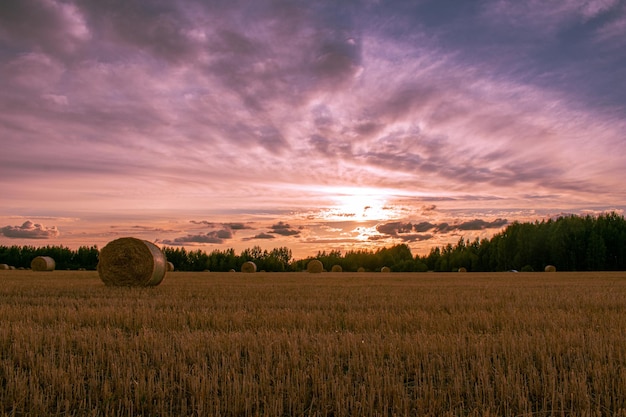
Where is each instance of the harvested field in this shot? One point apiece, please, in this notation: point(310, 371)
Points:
point(344, 344)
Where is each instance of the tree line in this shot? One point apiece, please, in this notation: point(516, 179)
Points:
point(571, 243)
point(64, 258)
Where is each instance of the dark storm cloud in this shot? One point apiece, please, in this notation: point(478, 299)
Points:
point(260, 236)
point(478, 224)
point(29, 230)
point(394, 228)
point(215, 236)
point(403, 230)
point(237, 226)
point(423, 226)
point(283, 229)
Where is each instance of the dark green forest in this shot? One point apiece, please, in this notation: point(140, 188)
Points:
point(571, 243)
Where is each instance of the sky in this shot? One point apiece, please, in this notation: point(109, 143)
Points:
point(313, 125)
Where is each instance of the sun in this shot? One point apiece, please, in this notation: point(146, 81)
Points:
point(359, 204)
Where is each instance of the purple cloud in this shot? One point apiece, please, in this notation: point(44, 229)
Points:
point(283, 229)
point(260, 236)
point(30, 230)
point(478, 224)
point(214, 237)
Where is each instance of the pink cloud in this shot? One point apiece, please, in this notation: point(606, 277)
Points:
point(30, 230)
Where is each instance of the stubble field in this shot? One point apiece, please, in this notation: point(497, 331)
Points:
point(298, 344)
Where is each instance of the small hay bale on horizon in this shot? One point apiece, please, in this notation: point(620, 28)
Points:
point(385, 269)
point(336, 268)
point(4, 267)
point(42, 263)
point(315, 267)
point(462, 269)
point(248, 267)
point(361, 269)
point(170, 266)
point(131, 262)
point(550, 268)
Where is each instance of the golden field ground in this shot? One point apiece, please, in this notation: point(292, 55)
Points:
point(298, 344)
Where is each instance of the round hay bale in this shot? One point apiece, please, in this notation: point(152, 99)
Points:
point(170, 266)
point(248, 267)
point(131, 262)
point(462, 269)
point(385, 269)
point(336, 268)
point(231, 270)
point(315, 267)
point(42, 263)
point(4, 267)
point(12, 268)
point(361, 269)
point(550, 268)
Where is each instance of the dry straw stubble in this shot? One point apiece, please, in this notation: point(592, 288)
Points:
point(42, 263)
point(131, 262)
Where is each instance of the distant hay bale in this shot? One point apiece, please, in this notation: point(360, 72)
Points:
point(4, 267)
point(231, 270)
point(361, 269)
point(336, 268)
point(248, 267)
point(315, 267)
point(550, 268)
point(385, 269)
point(42, 263)
point(170, 266)
point(12, 268)
point(462, 269)
point(131, 262)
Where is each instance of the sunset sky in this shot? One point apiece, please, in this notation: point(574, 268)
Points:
point(315, 125)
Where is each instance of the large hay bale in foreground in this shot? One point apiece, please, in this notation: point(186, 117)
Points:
point(248, 267)
point(42, 263)
point(131, 262)
point(550, 268)
point(336, 268)
point(4, 267)
point(315, 267)
point(385, 269)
